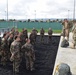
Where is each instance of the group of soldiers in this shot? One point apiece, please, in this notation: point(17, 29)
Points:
point(34, 32)
point(15, 45)
point(67, 27)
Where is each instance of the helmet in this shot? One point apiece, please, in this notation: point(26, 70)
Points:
point(63, 69)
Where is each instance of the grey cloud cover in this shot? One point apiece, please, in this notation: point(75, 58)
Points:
point(51, 8)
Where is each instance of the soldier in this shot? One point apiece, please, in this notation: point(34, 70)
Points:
point(4, 50)
point(66, 29)
point(25, 33)
point(23, 36)
point(42, 34)
point(50, 34)
point(29, 55)
point(33, 36)
point(15, 50)
point(35, 31)
point(12, 31)
point(10, 40)
point(74, 35)
point(62, 69)
point(16, 32)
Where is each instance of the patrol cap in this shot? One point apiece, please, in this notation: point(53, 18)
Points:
point(63, 69)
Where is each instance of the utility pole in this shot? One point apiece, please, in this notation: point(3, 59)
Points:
point(7, 14)
point(35, 14)
point(74, 11)
point(7, 10)
point(68, 14)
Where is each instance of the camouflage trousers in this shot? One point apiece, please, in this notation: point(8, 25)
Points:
point(16, 65)
point(74, 40)
point(33, 41)
point(49, 37)
point(29, 63)
point(66, 33)
point(4, 57)
point(42, 38)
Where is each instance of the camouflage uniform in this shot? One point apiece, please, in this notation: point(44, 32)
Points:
point(25, 33)
point(33, 36)
point(24, 36)
point(29, 56)
point(4, 51)
point(50, 34)
point(66, 29)
point(12, 31)
point(10, 40)
point(35, 31)
point(16, 32)
point(15, 50)
point(62, 69)
point(74, 35)
point(0, 41)
point(42, 34)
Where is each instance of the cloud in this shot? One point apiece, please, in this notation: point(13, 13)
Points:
point(21, 9)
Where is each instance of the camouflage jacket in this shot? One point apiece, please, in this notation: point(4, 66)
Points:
point(15, 50)
point(50, 32)
point(42, 31)
point(74, 31)
point(4, 44)
point(29, 50)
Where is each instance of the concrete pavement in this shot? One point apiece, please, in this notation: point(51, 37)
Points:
point(66, 55)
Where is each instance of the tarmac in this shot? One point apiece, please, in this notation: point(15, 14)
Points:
point(66, 55)
point(45, 53)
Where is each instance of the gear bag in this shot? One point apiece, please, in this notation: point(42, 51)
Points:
point(64, 43)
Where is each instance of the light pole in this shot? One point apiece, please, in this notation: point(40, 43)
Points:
point(26, 17)
point(7, 14)
point(74, 11)
point(7, 10)
point(35, 14)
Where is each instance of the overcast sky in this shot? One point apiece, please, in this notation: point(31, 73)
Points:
point(24, 9)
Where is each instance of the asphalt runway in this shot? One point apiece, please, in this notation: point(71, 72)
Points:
point(45, 58)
